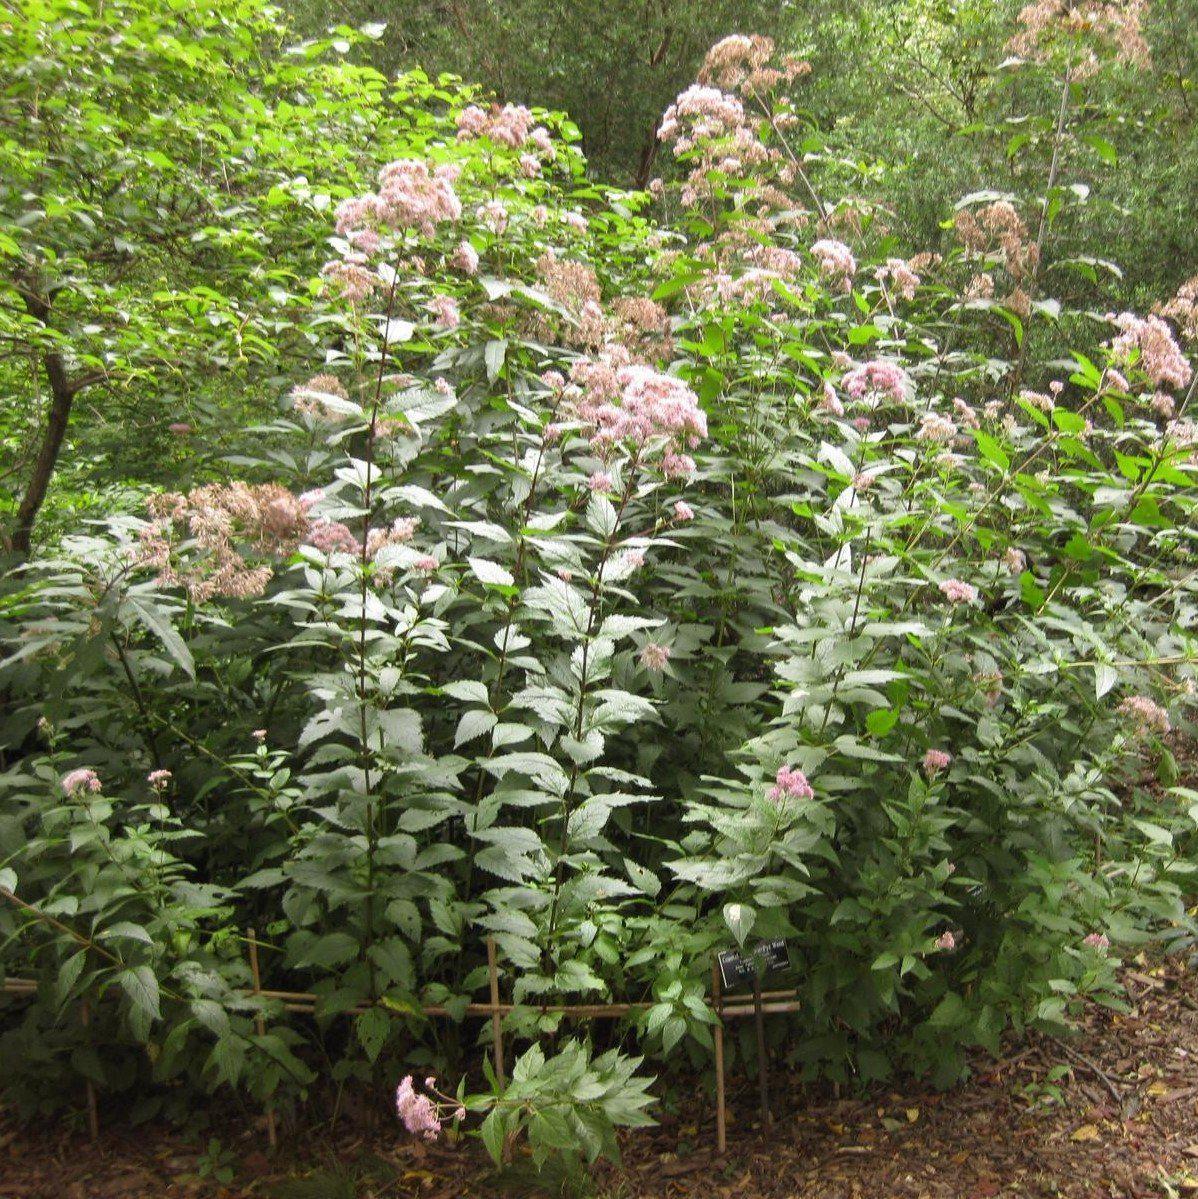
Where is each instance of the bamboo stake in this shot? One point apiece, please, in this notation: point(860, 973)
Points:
point(93, 1114)
point(763, 1078)
point(272, 1132)
point(721, 1120)
point(496, 1018)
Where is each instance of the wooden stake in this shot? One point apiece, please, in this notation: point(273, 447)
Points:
point(496, 1011)
point(272, 1132)
point(721, 1120)
point(763, 1080)
point(93, 1115)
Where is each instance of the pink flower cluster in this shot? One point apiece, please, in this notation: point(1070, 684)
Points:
point(998, 223)
point(411, 195)
point(937, 429)
point(877, 378)
point(624, 402)
point(1146, 713)
point(1115, 23)
point(352, 275)
point(222, 521)
point(836, 262)
point(1183, 433)
point(465, 258)
point(1099, 941)
point(444, 309)
point(936, 760)
point(790, 783)
point(1160, 357)
point(159, 780)
point(704, 112)
point(715, 126)
point(80, 781)
point(1183, 308)
point(958, 592)
point(946, 941)
point(512, 126)
point(331, 536)
point(494, 215)
point(319, 397)
point(418, 1112)
point(898, 273)
point(1163, 404)
point(401, 530)
point(742, 63)
point(654, 656)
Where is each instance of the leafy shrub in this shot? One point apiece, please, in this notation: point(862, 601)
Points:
point(813, 606)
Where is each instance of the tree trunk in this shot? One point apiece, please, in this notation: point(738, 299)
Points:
point(644, 170)
point(62, 395)
point(63, 390)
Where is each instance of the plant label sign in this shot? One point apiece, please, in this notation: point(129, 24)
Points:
point(736, 967)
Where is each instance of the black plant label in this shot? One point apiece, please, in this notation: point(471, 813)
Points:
point(738, 967)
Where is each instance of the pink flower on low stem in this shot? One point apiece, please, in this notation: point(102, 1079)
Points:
point(426, 564)
point(1097, 941)
point(159, 779)
point(418, 1112)
point(600, 482)
point(683, 511)
point(259, 735)
point(790, 783)
point(936, 760)
point(946, 940)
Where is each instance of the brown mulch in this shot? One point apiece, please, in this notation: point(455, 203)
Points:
point(1125, 1125)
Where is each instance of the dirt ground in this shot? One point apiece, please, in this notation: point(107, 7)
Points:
point(1123, 1122)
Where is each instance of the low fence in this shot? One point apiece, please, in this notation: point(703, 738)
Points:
point(733, 1006)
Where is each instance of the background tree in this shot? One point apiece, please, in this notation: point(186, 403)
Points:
point(612, 66)
point(157, 229)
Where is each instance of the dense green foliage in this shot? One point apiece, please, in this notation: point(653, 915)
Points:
point(618, 574)
point(912, 102)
